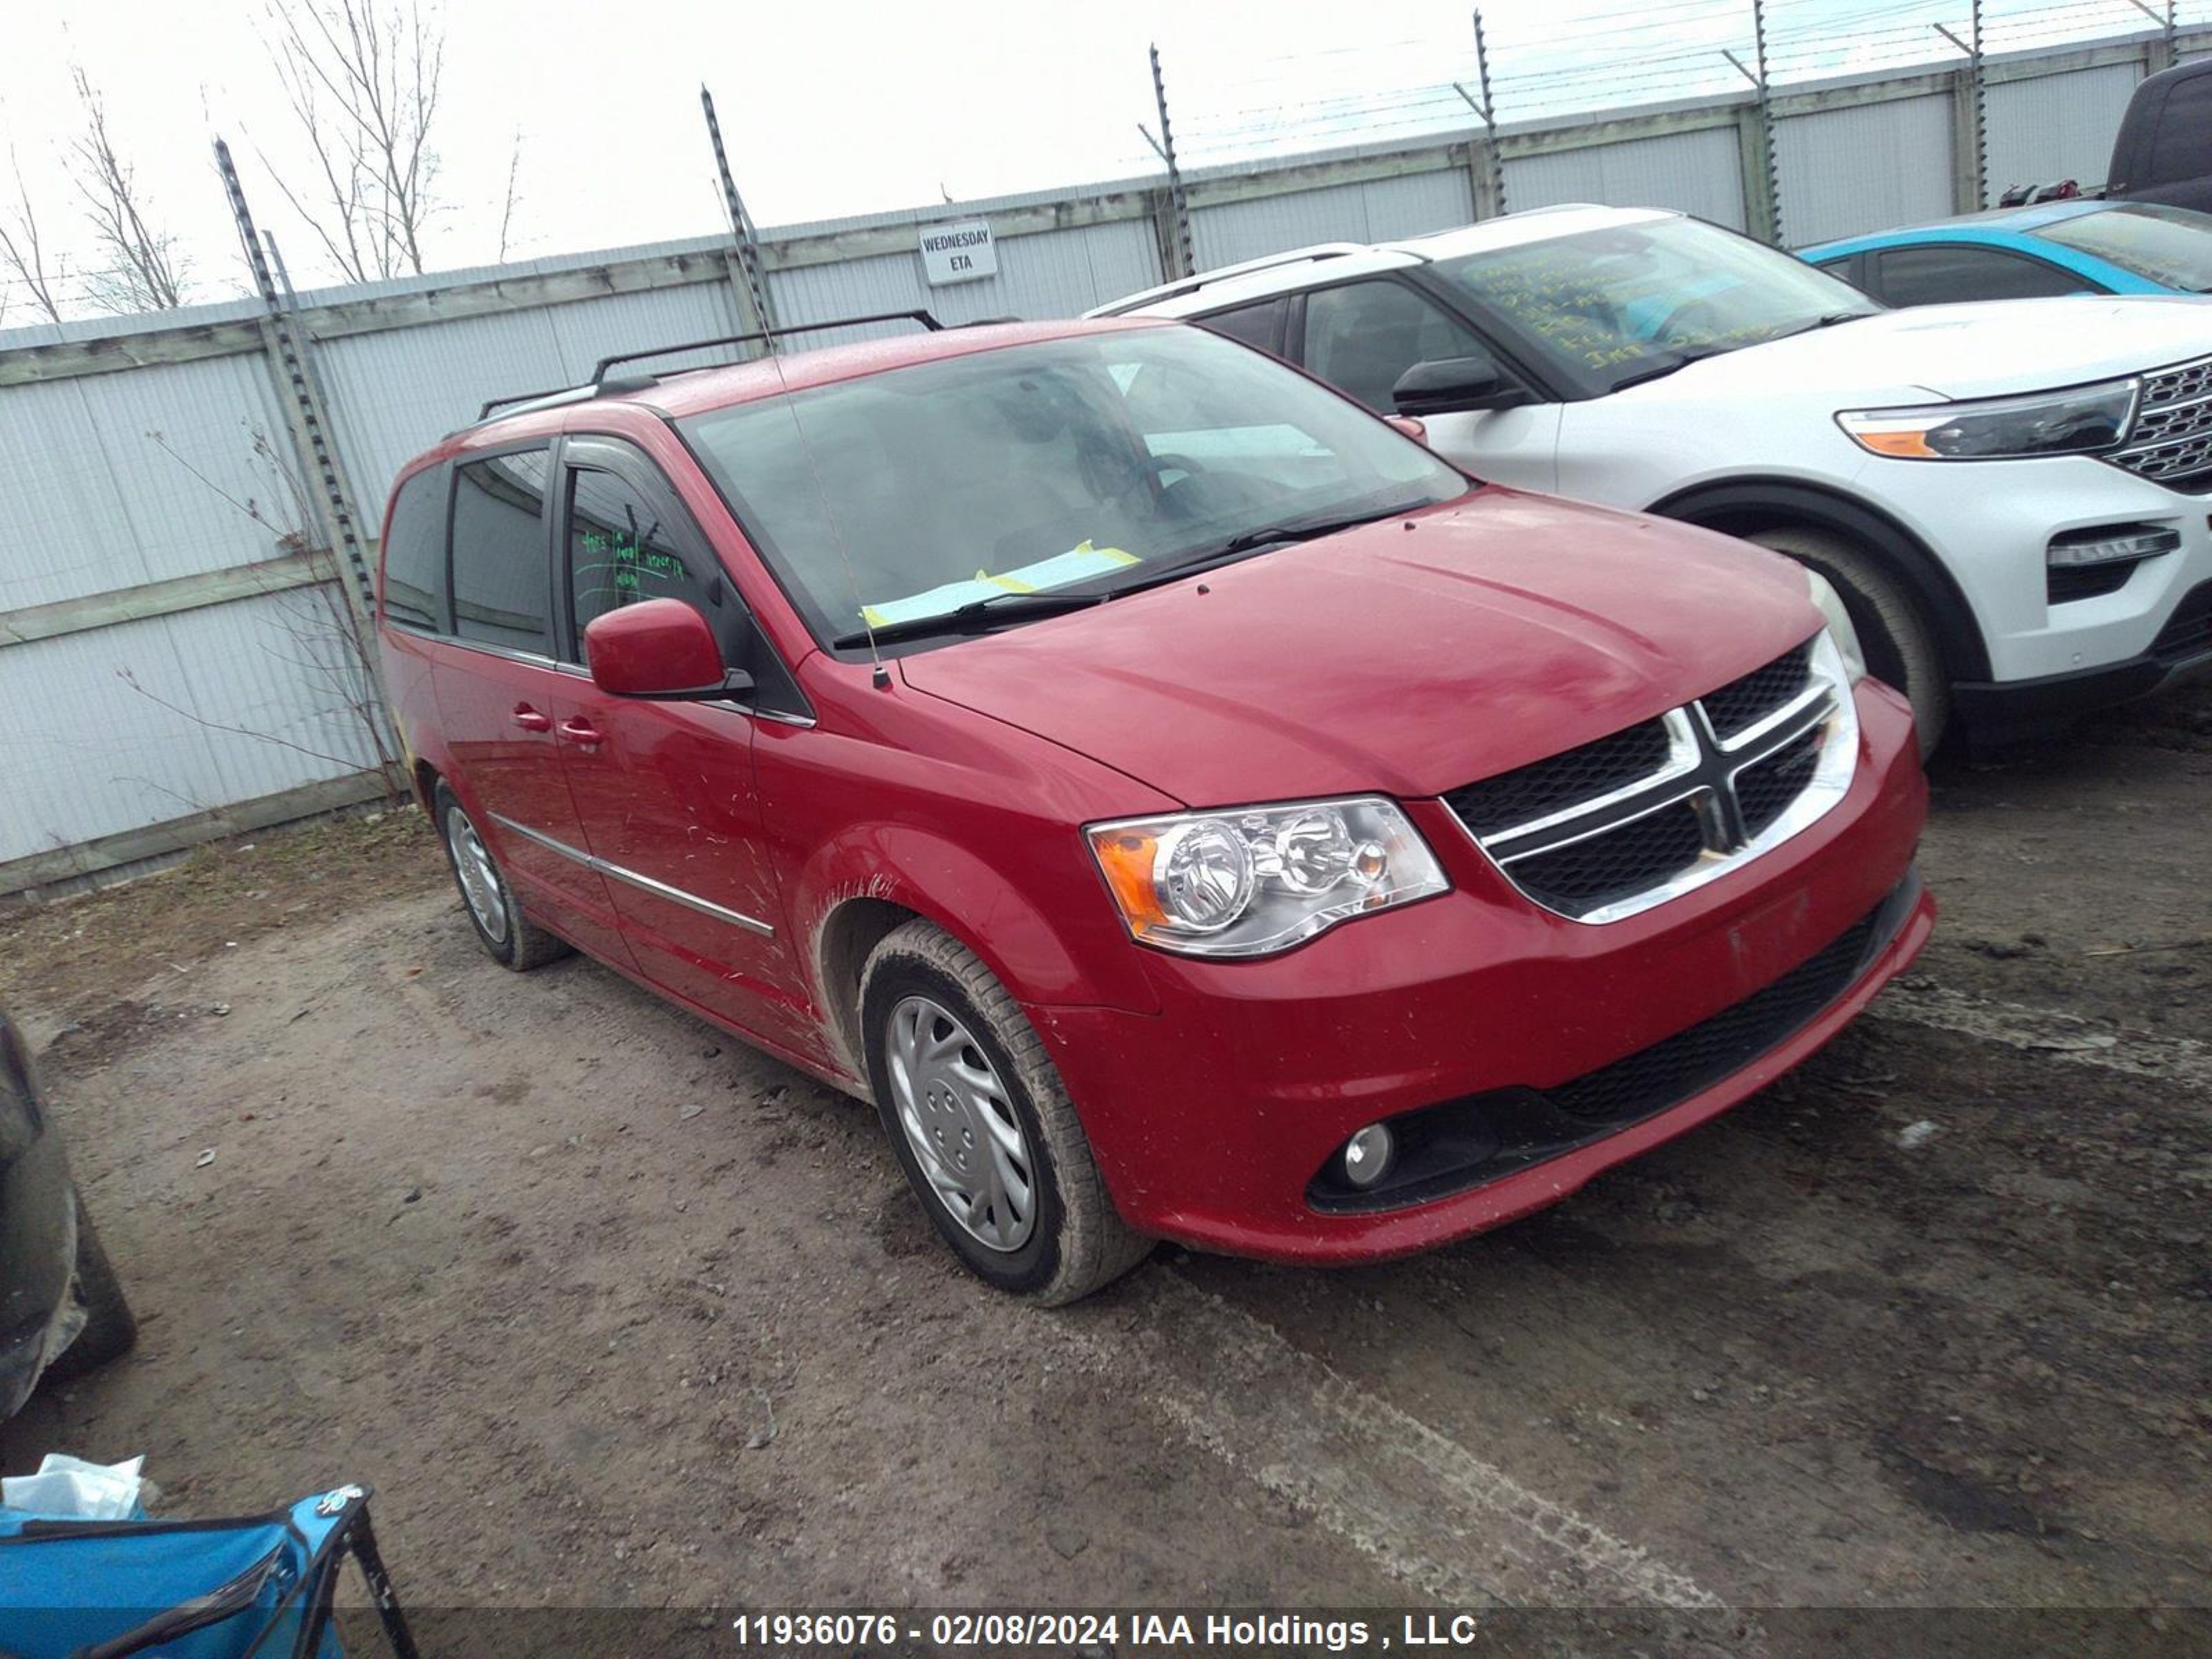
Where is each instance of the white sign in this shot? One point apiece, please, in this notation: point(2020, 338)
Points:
point(958, 252)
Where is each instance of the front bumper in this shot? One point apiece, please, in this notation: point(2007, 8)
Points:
point(1212, 1119)
point(1992, 522)
point(2001, 712)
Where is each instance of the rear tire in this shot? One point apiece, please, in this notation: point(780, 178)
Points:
point(976, 1114)
point(503, 928)
point(1900, 648)
point(110, 1328)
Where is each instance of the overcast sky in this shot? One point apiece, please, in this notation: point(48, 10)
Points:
point(831, 108)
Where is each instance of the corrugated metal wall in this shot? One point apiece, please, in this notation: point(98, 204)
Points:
point(1375, 210)
point(1828, 190)
point(110, 480)
point(1695, 172)
point(2055, 126)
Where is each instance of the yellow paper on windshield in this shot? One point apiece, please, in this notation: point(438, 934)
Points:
point(1079, 564)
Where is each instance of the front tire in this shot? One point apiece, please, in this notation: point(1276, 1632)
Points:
point(978, 1121)
point(506, 933)
point(1900, 647)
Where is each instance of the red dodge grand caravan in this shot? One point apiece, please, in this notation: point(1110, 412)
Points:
point(1186, 807)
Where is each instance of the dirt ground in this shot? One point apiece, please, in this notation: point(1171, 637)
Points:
point(613, 1311)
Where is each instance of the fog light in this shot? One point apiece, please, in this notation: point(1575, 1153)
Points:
point(1367, 1156)
point(2110, 544)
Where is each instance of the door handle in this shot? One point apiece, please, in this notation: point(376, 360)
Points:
point(581, 732)
point(530, 720)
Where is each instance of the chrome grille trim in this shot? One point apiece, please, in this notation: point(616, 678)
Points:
point(2171, 437)
point(1703, 770)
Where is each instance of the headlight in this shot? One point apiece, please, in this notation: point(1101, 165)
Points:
point(1830, 604)
point(1246, 882)
point(2085, 419)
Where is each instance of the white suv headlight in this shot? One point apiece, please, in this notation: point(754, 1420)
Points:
point(1250, 880)
point(1830, 604)
point(2077, 421)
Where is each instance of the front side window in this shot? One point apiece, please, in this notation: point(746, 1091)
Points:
point(1941, 273)
point(1362, 336)
point(1625, 302)
point(622, 549)
point(1086, 464)
point(2167, 244)
point(502, 593)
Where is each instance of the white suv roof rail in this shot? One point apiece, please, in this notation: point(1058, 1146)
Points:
point(1192, 284)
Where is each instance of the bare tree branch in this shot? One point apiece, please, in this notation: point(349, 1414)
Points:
point(362, 77)
point(513, 196)
point(145, 271)
point(24, 253)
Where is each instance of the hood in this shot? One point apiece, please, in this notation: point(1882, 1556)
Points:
point(1408, 657)
point(1990, 350)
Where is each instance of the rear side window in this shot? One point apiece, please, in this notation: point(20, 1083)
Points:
point(1362, 336)
point(1260, 324)
point(1938, 275)
point(415, 554)
point(622, 549)
point(501, 590)
point(2181, 143)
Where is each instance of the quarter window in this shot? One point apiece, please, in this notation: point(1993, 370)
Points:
point(1362, 336)
point(1941, 275)
point(415, 554)
point(500, 590)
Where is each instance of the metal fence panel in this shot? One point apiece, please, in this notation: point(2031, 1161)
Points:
point(112, 480)
point(2056, 126)
point(1828, 188)
point(1374, 211)
point(1698, 172)
point(1059, 274)
point(255, 713)
point(395, 392)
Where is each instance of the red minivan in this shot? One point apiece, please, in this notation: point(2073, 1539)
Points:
point(1188, 807)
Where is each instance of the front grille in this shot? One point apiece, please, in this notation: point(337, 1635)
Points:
point(1613, 826)
point(1544, 787)
point(2172, 441)
point(1673, 1070)
point(1742, 705)
point(1585, 874)
point(2188, 631)
point(1764, 789)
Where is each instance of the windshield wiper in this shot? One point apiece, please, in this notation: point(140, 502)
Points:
point(974, 617)
point(1310, 530)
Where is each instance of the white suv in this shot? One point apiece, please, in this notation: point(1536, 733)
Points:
point(2012, 497)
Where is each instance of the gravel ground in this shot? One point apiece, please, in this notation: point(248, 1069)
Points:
point(614, 1312)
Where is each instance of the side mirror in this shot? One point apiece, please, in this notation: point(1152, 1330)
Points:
point(1445, 385)
point(661, 649)
point(1406, 423)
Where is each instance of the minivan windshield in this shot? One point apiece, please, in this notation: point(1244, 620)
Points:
point(1628, 302)
point(952, 496)
point(2172, 245)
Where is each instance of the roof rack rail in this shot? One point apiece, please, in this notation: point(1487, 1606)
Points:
point(929, 322)
point(600, 384)
point(1222, 273)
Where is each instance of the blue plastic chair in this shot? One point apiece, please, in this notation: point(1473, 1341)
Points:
point(259, 1586)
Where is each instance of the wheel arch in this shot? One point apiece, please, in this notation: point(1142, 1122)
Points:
point(1744, 507)
point(856, 891)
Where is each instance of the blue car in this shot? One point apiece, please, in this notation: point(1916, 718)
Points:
point(2075, 246)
